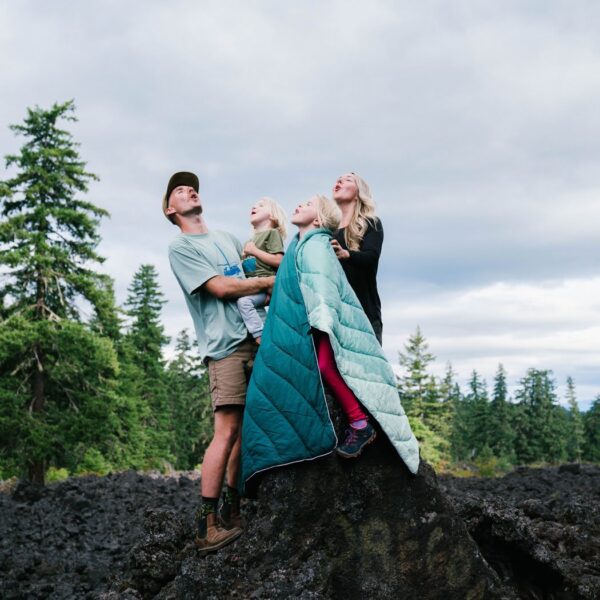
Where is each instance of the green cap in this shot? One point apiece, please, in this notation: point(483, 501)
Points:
point(177, 179)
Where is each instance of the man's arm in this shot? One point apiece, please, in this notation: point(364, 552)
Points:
point(230, 288)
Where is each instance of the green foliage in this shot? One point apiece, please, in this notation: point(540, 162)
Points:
point(575, 427)
point(55, 474)
point(540, 431)
point(80, 404)
point(190, 405)
point(48, 237)
point(142, 348)
point(591, 424)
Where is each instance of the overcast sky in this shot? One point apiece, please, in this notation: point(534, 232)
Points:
point(476, 124)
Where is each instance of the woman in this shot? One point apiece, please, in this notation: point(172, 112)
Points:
point(357, 243)
point(313, 307)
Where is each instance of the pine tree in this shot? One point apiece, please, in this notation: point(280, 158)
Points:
point(420, 396)
point(576, 433)
point(591, 423)
point(478, 411)
point(501, 432)
point(144, 343)
point(413, 385)
point(190, 405)
point(540, 428)
point(48, 245)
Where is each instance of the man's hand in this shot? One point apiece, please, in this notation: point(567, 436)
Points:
point(270, 282)
point(250, 249)
point(339, 251)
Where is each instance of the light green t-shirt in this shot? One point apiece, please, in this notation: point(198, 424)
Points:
point(196, 258)
point(270, 241)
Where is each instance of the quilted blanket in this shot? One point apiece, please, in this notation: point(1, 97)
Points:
point(286, 418)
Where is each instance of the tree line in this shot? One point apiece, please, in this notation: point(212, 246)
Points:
point(486, 427)
point(84, 386)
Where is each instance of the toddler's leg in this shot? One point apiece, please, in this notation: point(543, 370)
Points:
point(247, 306)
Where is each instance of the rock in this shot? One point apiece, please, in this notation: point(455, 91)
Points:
point(538, 528)
point(328, 528)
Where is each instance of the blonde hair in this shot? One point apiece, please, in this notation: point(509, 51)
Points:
point(277, 215)
point(363, 216)
point(329, 214)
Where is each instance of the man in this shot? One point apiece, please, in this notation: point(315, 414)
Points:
point(208, 268)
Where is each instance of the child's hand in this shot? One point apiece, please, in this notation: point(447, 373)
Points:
point(250, 249)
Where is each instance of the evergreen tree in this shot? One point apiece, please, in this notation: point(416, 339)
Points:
point(144, 343)
point(540, 428)
point(501, 431)
point(48, 242)
point(576, 433)
point(420, 396)
point(477, 416)
point(591, 423)
point(190, 404)
point(414, 384)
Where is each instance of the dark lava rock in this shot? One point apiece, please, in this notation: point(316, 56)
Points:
point(70, 539)
point(328, 528)
point(323, 529)
point(538, 528)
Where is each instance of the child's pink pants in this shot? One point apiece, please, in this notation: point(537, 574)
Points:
point(331, 376)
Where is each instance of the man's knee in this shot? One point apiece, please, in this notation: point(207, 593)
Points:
point(228, 424)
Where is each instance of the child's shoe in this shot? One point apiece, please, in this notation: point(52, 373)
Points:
point(356, 441)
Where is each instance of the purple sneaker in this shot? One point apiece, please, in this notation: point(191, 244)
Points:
point(356, 440)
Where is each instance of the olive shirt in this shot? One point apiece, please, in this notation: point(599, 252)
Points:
point(361, 270)
point(196, 258)
point(268, 240)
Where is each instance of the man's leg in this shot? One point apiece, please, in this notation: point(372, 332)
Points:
point(211, 536)
point(223, 451)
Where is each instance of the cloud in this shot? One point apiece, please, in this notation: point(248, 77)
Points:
point(476, 126)
point(553, 325)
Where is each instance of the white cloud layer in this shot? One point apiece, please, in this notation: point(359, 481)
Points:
point(476, 125)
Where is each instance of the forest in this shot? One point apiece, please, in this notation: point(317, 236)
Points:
point(85, 387)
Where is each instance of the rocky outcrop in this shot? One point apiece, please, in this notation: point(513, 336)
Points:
point(538, 528)
point(69, 539)
point(325, 529)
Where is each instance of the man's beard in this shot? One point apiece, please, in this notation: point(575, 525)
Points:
point(196, 210)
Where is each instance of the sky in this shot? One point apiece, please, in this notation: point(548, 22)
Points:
point(476, 125)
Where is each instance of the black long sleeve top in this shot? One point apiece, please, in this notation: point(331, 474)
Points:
point(361, 269)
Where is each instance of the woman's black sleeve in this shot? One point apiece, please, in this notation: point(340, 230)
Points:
point(370, 248)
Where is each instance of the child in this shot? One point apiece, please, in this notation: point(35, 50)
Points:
point(264, 253)
point(317, 332)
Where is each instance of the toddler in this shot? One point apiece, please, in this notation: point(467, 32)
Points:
point(263, 256)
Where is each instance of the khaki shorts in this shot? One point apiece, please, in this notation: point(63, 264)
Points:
point(229, 376)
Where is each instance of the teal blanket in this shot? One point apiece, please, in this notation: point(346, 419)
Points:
point(286, 418)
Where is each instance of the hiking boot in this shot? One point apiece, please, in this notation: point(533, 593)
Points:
point(230, 515)
point(211, 537)
point(356, 441)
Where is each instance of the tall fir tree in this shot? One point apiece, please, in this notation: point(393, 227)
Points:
point(540, 428)
point(576, 432)
point(48, 242)
point(591, 423)
point(478, 415)
point(190, 404)
point(145, 341)
point(420, 396)
point(501, 431)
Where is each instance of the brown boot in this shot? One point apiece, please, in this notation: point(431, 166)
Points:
point(230, 516)
point(232, 520)
point(211, 537)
